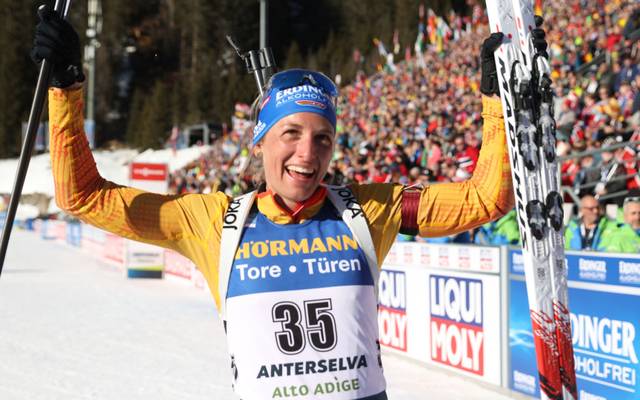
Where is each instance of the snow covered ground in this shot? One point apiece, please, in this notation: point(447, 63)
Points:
point(72, 327)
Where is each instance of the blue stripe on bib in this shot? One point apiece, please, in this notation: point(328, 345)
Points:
point(321, 252)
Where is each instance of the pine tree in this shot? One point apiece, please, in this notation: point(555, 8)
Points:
point(294, 57)
point(18, 74)
point(134, 127)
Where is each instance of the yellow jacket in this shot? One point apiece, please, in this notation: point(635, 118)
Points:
point(191, 223)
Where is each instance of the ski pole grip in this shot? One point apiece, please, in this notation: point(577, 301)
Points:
point(60, 6)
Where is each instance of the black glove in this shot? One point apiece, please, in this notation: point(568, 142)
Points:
point(57, 42)
point(489, 84)
point(538, 35)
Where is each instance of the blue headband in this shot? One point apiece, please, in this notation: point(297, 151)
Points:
point(278, 103)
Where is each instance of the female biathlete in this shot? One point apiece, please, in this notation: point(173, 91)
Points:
point(293, 268)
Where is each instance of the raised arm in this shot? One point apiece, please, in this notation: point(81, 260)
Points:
point(80, 190)
point(449, 208)
point(446, 208)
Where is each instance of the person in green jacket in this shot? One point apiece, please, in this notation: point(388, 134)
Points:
point(503, 231)
point(626, 237)
point(588, 231)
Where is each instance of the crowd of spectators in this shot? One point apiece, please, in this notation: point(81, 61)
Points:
point(421, 121)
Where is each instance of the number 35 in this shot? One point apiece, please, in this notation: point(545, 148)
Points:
point(320, 326)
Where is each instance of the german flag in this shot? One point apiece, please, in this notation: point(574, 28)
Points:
point(537, 7)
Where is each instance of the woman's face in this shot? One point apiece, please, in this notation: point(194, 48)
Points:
point(296, 153)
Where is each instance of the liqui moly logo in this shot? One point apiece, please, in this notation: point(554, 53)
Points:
point(392, 312)
point(457, 333)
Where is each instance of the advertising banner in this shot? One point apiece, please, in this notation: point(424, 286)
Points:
point(74, 234)
point(151, 177)
point(457, 323)
point(447, 318)
point(113, 249)
point(180, 267)
point(59, 230)
point(392, 309)
point(447, 256)
point(605, 321)
point(52, 229)
point(176, 265)
point(143, 260)
point(93, 239)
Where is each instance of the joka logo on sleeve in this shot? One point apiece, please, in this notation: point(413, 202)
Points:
point(457, 334)
point(392, 313)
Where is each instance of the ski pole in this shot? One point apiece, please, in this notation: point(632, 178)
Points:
point(62, 8)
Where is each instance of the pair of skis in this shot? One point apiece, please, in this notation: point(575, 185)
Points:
point(527, 103)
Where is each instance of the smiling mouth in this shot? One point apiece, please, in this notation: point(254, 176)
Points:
point(300, 172)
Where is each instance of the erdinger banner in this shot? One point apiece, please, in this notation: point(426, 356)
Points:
point(392, 309)
point(457, 323)
point(605, 322)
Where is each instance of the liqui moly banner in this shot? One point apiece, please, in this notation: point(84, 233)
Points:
point(605, 323)
point(447, 318)
point(457, 323)
point(392, 309)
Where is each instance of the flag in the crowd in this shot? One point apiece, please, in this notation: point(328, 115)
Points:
point(381, 49)
point(431, 26)
point(477, 14)
point(443, 33)
point(384, 53)
point(443, 28)
point(396, 42)
point(537, 7)
point(418, 47)
point(407, 54)
point(173, 139)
